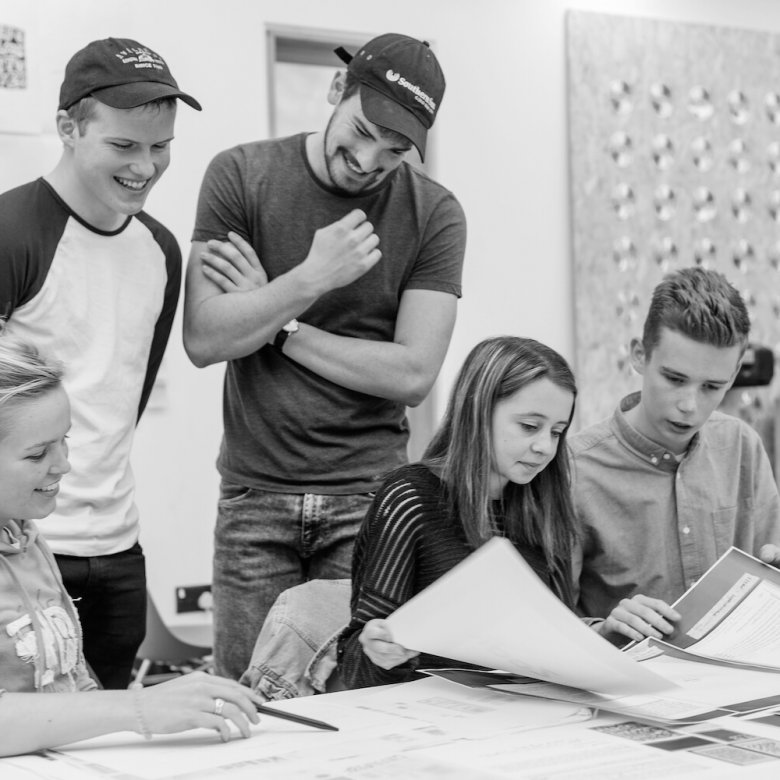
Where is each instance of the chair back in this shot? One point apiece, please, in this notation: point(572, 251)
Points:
point(161, 644)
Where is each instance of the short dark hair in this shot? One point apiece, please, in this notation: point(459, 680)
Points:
point(82, 111)
point(700, 304)
point(351, 85)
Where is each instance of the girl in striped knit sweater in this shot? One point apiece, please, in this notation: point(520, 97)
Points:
point(496, 467)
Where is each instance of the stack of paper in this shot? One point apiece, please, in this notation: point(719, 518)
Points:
point(492, 610)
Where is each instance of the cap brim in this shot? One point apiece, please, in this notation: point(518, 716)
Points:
point(140, 93)
point(385, 112)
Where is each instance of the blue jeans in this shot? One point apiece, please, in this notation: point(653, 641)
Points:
point(265, 543)
point(110, 595)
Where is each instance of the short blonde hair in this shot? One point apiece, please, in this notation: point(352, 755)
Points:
point(24, 372)
point(83, 111)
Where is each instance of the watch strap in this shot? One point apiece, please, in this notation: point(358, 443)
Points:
point(280, 338)
point(287, 330)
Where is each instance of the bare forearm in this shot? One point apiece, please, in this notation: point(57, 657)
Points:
point(218, 326)
point(401, 370)
point(225, 327)
point(33, 721)
point(384, 369)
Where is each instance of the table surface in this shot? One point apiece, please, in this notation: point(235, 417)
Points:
point(426, 729)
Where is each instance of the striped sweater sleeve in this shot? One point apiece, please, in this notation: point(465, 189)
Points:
point(406, 543)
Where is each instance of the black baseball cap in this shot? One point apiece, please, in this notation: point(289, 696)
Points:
point(401, 84)
point(121, 73)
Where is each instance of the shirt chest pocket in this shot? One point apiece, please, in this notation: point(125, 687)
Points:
point(733, 526)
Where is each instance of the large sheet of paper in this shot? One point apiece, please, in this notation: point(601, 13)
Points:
point(492, 610)
point(375, 726)
point(705, 691)
point(733, 612)
point(419, 731)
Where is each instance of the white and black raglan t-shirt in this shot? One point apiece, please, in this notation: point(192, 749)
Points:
point(103, 304)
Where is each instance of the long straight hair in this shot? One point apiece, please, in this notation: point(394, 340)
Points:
point(539, 513)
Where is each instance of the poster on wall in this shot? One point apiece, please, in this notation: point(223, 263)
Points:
point(18, 72)
point(674, 159)
point(13, 58)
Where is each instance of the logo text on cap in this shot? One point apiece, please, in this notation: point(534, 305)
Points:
point(424, 99)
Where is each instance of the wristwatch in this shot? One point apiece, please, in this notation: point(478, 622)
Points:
point(285, 333)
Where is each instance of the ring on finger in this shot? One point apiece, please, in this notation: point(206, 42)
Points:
point(218, 705)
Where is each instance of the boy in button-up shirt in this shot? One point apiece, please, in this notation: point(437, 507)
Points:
point(668, 484)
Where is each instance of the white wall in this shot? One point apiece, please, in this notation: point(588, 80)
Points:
point(501, 148)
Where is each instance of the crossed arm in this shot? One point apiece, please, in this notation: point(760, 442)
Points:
point(232, 310)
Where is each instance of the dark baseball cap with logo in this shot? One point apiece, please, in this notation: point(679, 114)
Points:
point(120, 73)
point(401, 84)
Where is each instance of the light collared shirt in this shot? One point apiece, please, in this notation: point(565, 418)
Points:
point(653, 525)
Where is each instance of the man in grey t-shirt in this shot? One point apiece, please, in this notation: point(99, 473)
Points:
point(325, 269)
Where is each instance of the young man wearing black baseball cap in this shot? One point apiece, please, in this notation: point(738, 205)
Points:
point(343, 321)
point(90, 278)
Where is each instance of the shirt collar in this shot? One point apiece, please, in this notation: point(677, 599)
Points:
point(648, 450)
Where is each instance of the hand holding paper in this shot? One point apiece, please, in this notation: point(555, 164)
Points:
point(378, 645)
point(770, 553)
point(640, 617)
point(732, 615)
point(493, 611)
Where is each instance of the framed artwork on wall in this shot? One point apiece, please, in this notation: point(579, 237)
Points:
point(19, 83)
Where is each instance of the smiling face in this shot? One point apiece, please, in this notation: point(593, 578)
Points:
point(33, 454)
point(526, 429)
point(356, 155)
point(683, 382)
point(114, 160)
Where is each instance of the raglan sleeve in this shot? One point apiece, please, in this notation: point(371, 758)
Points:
point(162, 328)
point(29, 238)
